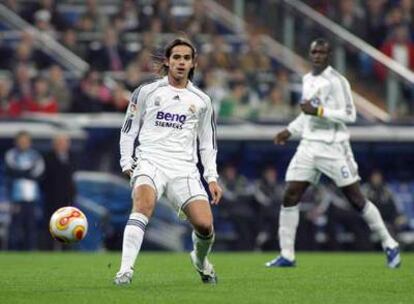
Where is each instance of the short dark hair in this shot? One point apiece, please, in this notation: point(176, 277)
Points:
point(22, 133)
point(168, 51)
point(322, 41)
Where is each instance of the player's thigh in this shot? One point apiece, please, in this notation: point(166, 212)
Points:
point(185, 190)
point(302, 168)
point(342, 169)
point(148, 174)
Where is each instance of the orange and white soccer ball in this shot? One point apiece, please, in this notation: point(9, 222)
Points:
point(68, 225)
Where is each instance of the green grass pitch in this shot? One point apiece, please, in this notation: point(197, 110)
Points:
point(169, 278)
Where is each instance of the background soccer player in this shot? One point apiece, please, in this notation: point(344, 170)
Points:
point(168, 116)
point(327, 106)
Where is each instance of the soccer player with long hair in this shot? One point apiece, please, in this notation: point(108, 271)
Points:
point(167, 117)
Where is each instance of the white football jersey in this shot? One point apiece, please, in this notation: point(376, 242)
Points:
point(167, 121)
point(331, 90)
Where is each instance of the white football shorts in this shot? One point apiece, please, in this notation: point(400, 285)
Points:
point(335, 160)
point(179, 190)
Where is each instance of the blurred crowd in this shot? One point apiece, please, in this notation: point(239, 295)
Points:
point(119, 41)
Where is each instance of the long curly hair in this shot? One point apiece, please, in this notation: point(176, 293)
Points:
point(162, 68)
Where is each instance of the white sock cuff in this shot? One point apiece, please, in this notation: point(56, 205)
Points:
point(138, 219)
point(204, 237)
point(138, 216)
point(290, 209)
point(368, 205)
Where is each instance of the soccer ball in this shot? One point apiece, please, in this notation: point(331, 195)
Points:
point(68, 225)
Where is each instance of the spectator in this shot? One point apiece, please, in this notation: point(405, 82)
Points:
point(133, 77)
point(24, 54)
point(42, 19)
point(58, 184)
point(86, 24)
point(119, 98)
point(91, 95)
point(375, 22)
point(41, 101)
point(22, 82)
point(132, 17)
point(240, 103)
point(394, 17)
point(215, 87)
point(96, 14)
point(144, 61)
point(57, 20)
point(237, 205)
point(70, 41)
point(268, 195)
point(253, 59)
point(5, 96)
point(23, 168)
point(350, 16)
point(162, 12)
point(399, 47)
point(111, 55)
point(12, 5)
point(204, 23)
point(274, 107)
point(377, 191)
point(220, 55)
point(59, 89)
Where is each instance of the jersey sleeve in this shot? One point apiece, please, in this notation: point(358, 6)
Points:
point(208, 143)
point(346, 112)
point(130, 129)
point(297, 126)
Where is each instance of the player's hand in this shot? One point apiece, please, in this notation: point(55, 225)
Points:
point(282, 137)
point(216, 192)
point(128, 172)
point(308, 108)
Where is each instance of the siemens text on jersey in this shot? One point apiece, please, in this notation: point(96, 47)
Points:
point(170, 120)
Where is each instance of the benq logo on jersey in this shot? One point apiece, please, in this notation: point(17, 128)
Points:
point(170, 120)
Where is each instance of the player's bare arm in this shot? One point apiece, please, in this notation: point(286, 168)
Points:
point(127, 172)
point(282, 137)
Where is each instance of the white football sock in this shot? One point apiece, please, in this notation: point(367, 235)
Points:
point(202, 246)
point(133, 237)
point(374, 220)
point(288, 223)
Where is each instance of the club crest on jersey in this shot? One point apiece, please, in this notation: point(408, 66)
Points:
point(192, 108)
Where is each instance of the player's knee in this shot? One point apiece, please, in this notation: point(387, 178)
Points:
point(359, 205)
point(204, 227)
point(357, 201)
point(143, 204)
point(291, 198)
